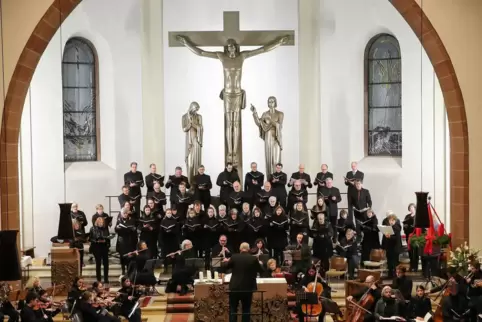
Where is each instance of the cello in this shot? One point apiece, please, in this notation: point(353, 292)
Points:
point(361, 308)
point(316, 288)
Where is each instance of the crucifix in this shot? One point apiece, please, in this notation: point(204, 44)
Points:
point(232, 59)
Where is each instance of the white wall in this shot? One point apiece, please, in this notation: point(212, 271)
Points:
point(192, 78)
point(348, 27)
point(115, 35)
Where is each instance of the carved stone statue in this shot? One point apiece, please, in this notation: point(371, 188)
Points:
point(270, 127)
point(233, 95)
point(192, 124)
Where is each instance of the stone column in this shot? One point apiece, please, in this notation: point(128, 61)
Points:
point(309, 84)
point(153, 85)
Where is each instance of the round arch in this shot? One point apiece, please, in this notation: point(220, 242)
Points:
point(410, 11)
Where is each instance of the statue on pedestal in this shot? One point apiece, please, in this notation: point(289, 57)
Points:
point(270, 126)
point(192, 124)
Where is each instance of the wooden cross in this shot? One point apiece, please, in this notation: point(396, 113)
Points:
point(231, 31)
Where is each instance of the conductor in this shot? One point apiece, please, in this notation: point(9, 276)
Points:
point(245, 268)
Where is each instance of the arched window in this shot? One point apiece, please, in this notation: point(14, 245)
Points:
point(79, 84)
point(384, 92)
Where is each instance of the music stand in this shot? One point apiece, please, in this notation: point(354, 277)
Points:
point(149, 267)
point(196, 263)
point(306, 298)
point(261, 314)
point(264, 258)
point(216, 262)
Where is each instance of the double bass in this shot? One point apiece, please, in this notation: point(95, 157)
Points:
point(316, 288)
point(361, 308)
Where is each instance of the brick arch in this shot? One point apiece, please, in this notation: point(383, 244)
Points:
point(410, 11)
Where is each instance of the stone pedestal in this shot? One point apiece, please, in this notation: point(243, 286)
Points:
point(65, 267)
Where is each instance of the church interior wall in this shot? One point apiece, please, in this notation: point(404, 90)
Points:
point(115, 35)
point(347, 29)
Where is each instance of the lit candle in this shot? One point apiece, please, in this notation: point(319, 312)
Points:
point(201, 276)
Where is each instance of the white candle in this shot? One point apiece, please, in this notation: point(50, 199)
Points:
point(208, 275)
point(216, 275)
point(201, 276)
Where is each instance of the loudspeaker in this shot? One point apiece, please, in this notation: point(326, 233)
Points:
point(422, 219)
point(10, 269)
point(65, 230)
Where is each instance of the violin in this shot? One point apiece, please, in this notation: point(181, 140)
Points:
point(276, 272)
point(317, 288)
point(361, 307)
point(448, 289)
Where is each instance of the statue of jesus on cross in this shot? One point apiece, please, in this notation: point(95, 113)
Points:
point(232, 58)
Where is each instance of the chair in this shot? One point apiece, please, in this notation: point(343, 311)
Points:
point(338, 268)
point(377, 261)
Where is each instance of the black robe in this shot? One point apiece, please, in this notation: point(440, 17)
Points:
point(278, 229)
point(126, 235)
point(371, 237)
point(332, 205)
point(301, 176)
point(81, 218)
point(160, 200)
point(211, 232)
point(408, 226)
point(149, 227)
point(350, 176)
point(182, 202)
point(253, 183)
point(236, 200)
point(256, 228)
point(123, 198)
point(296, 196)
point(225, 181)
point(278, 182)
point(192, 230)
point(173, 183)
point(235, 232)
point(299, 223)
point(342, 225)
point(169, 235)
point(135, 192)
point(322, 240)
point(320, 180)
point(262, 198)
point(394, 242)
point(360, 199)
point(202, 189)
point(150, 178)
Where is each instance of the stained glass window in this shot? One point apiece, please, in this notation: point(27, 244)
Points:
point(79, 101)
point(384, 82)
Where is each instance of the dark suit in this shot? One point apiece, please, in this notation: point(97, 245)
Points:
point(357, 176)
point(359, 199)
point(245, 269)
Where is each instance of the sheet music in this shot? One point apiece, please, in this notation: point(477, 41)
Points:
point(281, 223)
point(361, 210)
point(166, 228)
point(386, 230)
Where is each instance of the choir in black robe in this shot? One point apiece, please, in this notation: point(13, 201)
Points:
point(262, 197)
point(235, 234)
point(225, 181)
point(106, 217)
point(169, 237)
point(371, 237)
point(182, 202)
point(392, 246)
point(360, 199)
point(210, 237)
point(322, 235)
point(236, 200)
point(151, 179)
point(123, 198)
point(278, 182)
point(408, 228)
point(256, 227)
point(299, 223)
point(342, 225)
point(245, 215)
point(173, 183)
point(81, 218)
point(269, 209)
point(149, 227)
point(160, 201)
point(135, 193)
point(320, 181)
point(301, 176)
point(277, 235)
point(222, 228)
point(253, 182)
point(317, 209)
point(332, 205)
point(348, 249)
point(193, 230)
point(202, 189)
point(126, 238)
point(296, 196)
point(350, 183)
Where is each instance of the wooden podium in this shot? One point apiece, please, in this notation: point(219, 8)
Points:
point(65, 267)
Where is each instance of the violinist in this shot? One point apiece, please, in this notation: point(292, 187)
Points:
point(44, 307)
point(149, 227)
point(182, 277)
point(193, 230)
point(28, 314)
point(169, 237)
point(392, 243)
point(75, 293)
point(403, 283)
point(256, 226)
point(36, 286)
point(474, 293)
point(277, 235)
point(371, 239)
point(388, 306)
point(408, 229)
point(420, 304)
point(6, 307)
point(455, 306)
point(126, 237)
point(128, 295)
point(299, 223)
point(272, 269)
point(144, 276)
point(322, 234)
point(347, 247)
point(211, 235)
point(452, 277)
point(374, 291)
point(99, 246)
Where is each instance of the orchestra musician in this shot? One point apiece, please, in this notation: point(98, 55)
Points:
point(153, 178)
point(99, 212)
point(173, 183)
point(303, 177)
point(99, 247)
point(202, 187)
point(374, 290)
point(322, 234)
point(182, 200)
point(419, 305)
point(193, 230)
point(299, 223)
point(297, 194)
point(256, 227)
point(271, 269)
point(135, 181)
point(278, 180)
point(455, 306)
point(27, 314)
point(332, 197)
point(350, 178)
point(75, 293)
point(149, 227)
point(221, 249)
point(259, 248)
point(143, 275)
point(128, 295)
point(182, 276)
point(403, 283)
point(262, 196)
point(45, 307)
point(126, 237)
point(302, 264)
point(453, 277)
point(408, 229)
point(211, 234)
point(392, 243)
point(371, 239)
point(169, 237)
point(347, 247)
point(225, 180)
point(253, 182)
point(159, 201)
point(321, 178)
point(474, 293)
point(277, 235)
point(388, 306)
point(6, 307)
point(89, 313)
